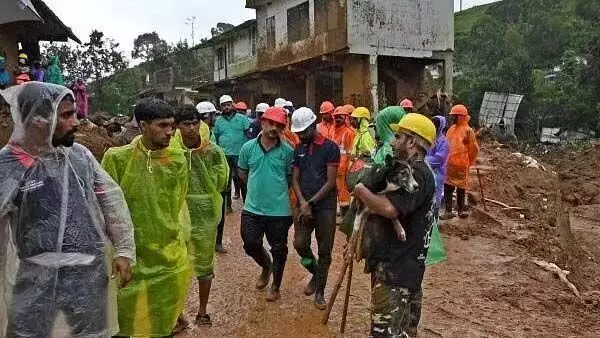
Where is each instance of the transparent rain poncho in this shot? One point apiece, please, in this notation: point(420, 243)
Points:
point(155, 187)
point(62, 220)
point(208, 173)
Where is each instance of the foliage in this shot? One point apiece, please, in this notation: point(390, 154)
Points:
point(546, 50)
point(221, 28)
point(149, 47)
point(95, 59)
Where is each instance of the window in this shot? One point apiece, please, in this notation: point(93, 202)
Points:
point(270, 29)
point(221, 57)
point(298, 23)
point(230, 51)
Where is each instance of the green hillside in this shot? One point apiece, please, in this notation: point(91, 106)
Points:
point(512, 45)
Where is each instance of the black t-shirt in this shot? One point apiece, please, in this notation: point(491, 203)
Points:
point(400, 263)
point(313, 160)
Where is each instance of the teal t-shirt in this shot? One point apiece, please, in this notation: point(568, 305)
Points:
point(230, 133)
point(269, 175)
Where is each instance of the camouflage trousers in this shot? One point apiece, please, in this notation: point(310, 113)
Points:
point(395, 311)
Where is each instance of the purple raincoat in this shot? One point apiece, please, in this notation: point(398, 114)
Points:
point(437, 157)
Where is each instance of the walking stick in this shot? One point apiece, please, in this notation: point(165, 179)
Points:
point(347, 298)
point(338, 283)
point(481, 190)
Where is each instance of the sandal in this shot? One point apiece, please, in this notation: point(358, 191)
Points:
point(203, 320)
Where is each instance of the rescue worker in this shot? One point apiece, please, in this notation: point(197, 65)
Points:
point(5, 78)
point(207, 113)
point(154, 179)
point(316, 160)
point(325, 127)
point(463, 154)
point(407, 105)
point(437, 157)
point(22, 71)
point(265, 164)
point(54, 73)
point(241, 108)
point(63, 221)
point(363, 145)
point(396, 266)
point(230, 132)
point(256, 125)
point(208, 172)
point(388, 116)
point(289, 106)
point(343, 135)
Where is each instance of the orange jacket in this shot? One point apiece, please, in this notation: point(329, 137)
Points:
point(326, 129)
point(463, 153)
point(344, 137)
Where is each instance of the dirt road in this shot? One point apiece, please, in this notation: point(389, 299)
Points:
point(487, 288)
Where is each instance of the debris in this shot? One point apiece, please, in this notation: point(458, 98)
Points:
point(562, 274)
point(504, 205)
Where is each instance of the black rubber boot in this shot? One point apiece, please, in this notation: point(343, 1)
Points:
point(321, 281)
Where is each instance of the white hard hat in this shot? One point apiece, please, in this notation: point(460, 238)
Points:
point(225, 99)
point(262, 107)
point(289, 104)
point(302, 118)
point(280, 102)
point(206, 107)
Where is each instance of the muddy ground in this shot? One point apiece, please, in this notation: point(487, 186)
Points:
point(488, 287)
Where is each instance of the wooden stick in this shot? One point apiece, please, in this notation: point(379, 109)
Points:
point(347, 298)
point(481, 190)
point(338, 283)
point(504, 205)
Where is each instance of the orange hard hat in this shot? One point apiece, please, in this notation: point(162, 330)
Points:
point(326, 107)
point(276, 114)
point(406, 103)
point(344, 110)
point(240, 106)
point(459, 109)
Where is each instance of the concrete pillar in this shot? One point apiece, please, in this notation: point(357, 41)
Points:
point(448, 73)
point(373, 81)
point(311, 85)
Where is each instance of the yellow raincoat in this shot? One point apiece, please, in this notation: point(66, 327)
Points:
point(208, 173)
point(463, 152)
point(155, 187)
point(363, 145)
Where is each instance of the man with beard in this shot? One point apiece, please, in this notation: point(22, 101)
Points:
point(325, 127)
point(316, 160)
point(265, 165)
point(397, 267)
point(154, 178)
point(63, 220)
point(230, 132)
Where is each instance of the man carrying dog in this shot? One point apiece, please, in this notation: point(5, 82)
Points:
point(397, 267)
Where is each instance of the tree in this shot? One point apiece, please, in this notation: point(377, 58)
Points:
point(221, 28)
point(149, 47)
point(97, 58)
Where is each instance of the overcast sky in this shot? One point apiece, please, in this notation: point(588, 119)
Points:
point(124, 20)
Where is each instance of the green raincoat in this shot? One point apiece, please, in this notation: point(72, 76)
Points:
point(155, 186)
point(54, 73)
point(363, 144)
point(208, 173)
point(387, 116)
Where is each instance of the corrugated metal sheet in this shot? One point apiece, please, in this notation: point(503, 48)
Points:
point(500, 110)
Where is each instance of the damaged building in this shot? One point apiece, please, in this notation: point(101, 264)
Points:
point(369, 53)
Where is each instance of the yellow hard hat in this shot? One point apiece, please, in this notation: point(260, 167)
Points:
point(361, 112)
point(417, 124)
point(23, 56)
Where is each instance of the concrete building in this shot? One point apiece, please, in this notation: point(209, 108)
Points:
point(365, 52)
point(27, 24)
